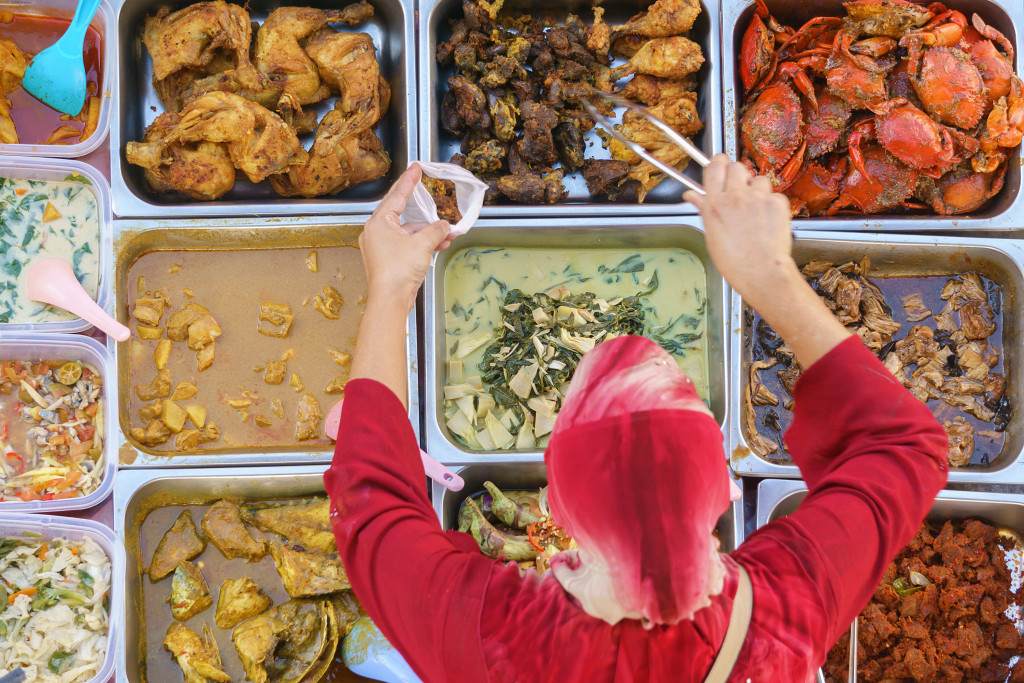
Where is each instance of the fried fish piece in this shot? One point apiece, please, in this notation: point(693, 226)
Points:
point(307, 522)
point(305, 632)
point(190, 593)
point(239, 600)
point(181, 542)
point(223, 525)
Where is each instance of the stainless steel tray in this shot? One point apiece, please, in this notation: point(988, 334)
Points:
point(636, 233)
point(1003, 213)
point(666, 199)
point(916, 255)
point(135, 487)
point(533, 476)
point(776, 498)
point(134, 238)
point(393, 32)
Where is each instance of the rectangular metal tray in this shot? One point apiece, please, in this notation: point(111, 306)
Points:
point(777, 498)
point(534, 476)
point(1003, 260)
point(1003, 213)
point(393, 32)
point(437, 145)
point(636, 233)
point(132, 239)
point(135, 487)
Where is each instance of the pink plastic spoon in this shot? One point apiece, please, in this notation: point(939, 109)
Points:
point(435, 470)
point(51, 281)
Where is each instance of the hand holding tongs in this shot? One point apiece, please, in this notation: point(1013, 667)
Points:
point(691, 150)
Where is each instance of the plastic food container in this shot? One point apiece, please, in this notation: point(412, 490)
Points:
point(105, 24)
point(33, 347)
point(59, 171)
point(47, 527)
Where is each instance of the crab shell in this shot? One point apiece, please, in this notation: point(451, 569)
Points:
point(995, 69)
point(771, 128)
point(891, 18)
point(962, 190)
point(858, 87)
point(889, 183)
point(950, 87)
point(825, 127)
point(816, 187)
point(756, 51)
point(914, 138)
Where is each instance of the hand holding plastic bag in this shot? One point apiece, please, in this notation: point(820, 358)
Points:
point(469, 195)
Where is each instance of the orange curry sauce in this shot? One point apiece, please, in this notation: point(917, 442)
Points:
point(32, 34)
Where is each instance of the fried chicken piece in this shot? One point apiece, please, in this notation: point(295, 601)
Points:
point(279, 55)
point(201, 170)
point(345, 152)
point(258, 141)
point(641, 131)
point(628, 45)
point(674, 57)
point(12, 69)
point(304, 522)
point(198, 658)
point(602, 174)
point(192, 36)
point(680, 113)
point(662, 19)
point(347, 63)
point(651, 90)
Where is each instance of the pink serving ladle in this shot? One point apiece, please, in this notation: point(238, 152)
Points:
point(51, 281)
point(435, 470)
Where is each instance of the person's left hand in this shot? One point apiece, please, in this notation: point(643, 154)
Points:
point(397, 257)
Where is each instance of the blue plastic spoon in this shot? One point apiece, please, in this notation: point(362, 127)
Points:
point(57, 74)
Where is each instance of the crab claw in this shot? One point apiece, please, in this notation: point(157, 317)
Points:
point(992, 34)
point(865, 130)
point(800, 79)
point(756, 53)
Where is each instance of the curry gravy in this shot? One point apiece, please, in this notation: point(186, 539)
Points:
point(232, 285)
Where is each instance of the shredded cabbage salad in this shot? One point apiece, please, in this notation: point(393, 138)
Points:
point(54, 597)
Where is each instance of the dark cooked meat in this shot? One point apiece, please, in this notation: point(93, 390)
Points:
point(532, 189)
point(469, 102)
point(602, 174)
point(443, 192)
point(951, 628)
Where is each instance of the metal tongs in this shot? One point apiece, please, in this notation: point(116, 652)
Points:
point(691, 150)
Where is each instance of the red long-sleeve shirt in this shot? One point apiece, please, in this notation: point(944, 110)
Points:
point(873, 458)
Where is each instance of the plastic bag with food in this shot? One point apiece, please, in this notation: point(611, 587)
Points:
point(469, 196)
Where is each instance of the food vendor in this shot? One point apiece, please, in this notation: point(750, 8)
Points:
point(637, 475)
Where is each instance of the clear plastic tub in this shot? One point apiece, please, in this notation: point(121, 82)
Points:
point(48, 527)
point(72, 347)
point(58, 170)
point(105, 23)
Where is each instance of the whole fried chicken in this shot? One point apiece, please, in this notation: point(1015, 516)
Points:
point(662, 19)
point(201, 170)
point(12, 69)
point(259, 143)
point(279, 55)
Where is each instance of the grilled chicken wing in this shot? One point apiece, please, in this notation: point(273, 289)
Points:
point(190, 593)
point(257, 140)
point(307, 573)
point(180, 543)
point(674, 57)
point(198, 658)
point(662, 19)
point(202, 170)
point(12, 69)
point(240, 599)
point(223, 525)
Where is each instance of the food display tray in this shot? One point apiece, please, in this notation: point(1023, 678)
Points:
point(55, 170)
point(133, 238)
point(137, 487)
point(48, 527)
point(777, 498)
point(106, 26)
point(70, 347)
point(393, 32)
point(636, 233)
point(1003, 213)
point(666, 199)
point(534, 476)
point(1002, 260)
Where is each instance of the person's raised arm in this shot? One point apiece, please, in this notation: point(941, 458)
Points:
point(746, 226)
point(396, 259)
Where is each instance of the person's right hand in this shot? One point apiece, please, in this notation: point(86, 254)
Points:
point(746, 226)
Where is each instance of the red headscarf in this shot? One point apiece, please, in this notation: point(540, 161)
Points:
point(637, 475)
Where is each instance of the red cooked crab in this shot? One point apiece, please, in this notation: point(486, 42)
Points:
point(887, 184)
point(996, 68)
point(825, 127)
point(961, 191)
point(772, 127)
point(815, 187)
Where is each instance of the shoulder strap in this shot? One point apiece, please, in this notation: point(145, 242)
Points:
point(739, 621)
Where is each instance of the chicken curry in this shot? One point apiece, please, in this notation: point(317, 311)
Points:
point(239, 349)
